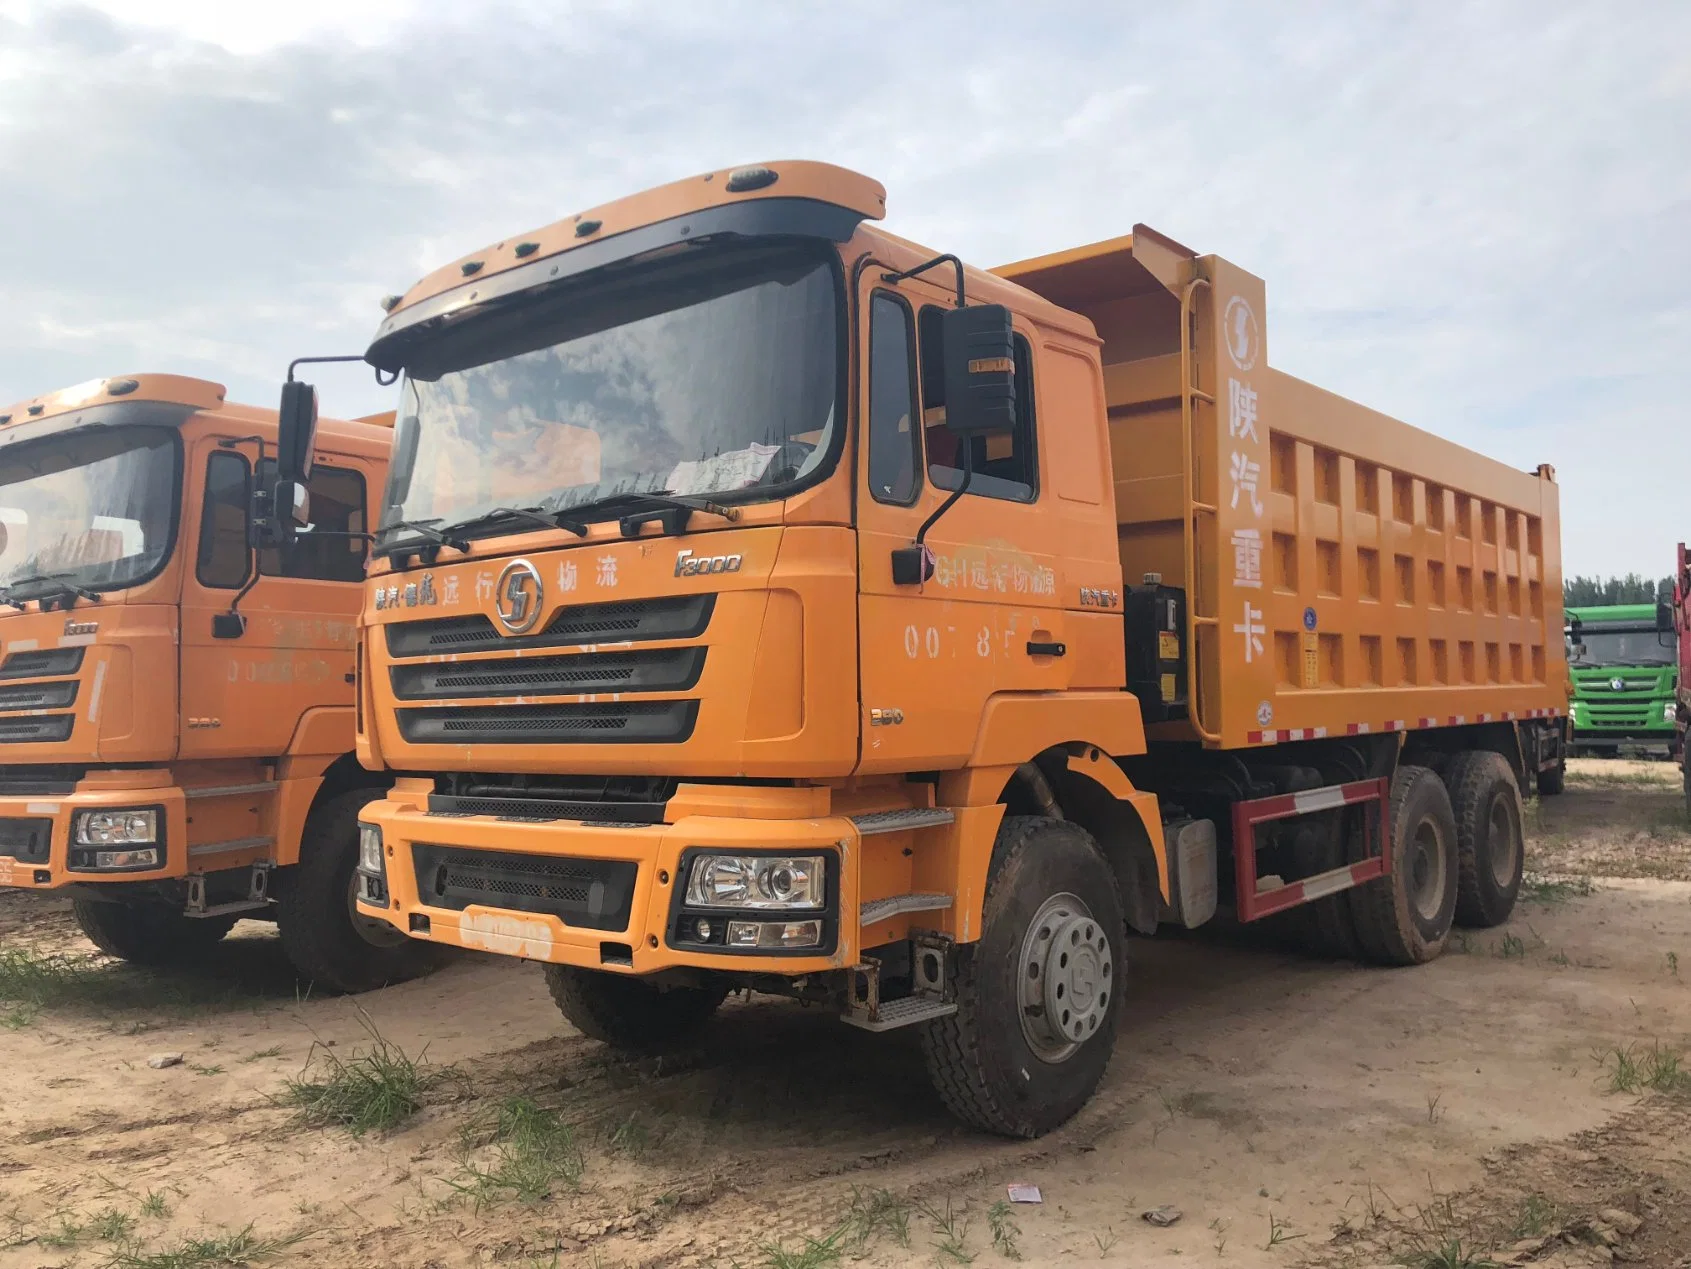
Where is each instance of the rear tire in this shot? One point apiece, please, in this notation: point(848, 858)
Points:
point(629, 1013)
point(323, 935)
point(1490, 844)
point(1405, 918)
point(148, 934)
point(1553, 781)
point(1037, 995)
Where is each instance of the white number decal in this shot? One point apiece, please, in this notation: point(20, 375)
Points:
point(910, 642)
point(983, 644)
point(933, 643)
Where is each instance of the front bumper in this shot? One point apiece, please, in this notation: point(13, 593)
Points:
point(36, 851)
point(639, 869)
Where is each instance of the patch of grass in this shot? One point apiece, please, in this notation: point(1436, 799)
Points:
point(97, 983)
point(154, 1205)
point(1107, 1240)
point(874, 1212)
point(952, 1230)
point(533, 1152)
point(240, 1248)
point(1549, 892)
point(274, 1050)
point(631, 1136)
point(111, 1225)
point(375, 1089)
point(1447, 1255)
point(1005, 1231)
point(1278, 1232)
point(1673, 963)
point(206, 1070)
point(19, 1014)
point(1537, 1215)
point(1512, 947)
point(64, 1233)
point(1637, 1070)
point(813, 1253)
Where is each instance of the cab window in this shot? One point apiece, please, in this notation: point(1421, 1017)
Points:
point(1001, 466)
point(894, 438)
point(327, 553)
point(224, 558)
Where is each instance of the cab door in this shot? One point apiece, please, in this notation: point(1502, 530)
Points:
point(243, 695)
point(991, 618)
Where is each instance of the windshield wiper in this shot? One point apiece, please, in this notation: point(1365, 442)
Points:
point(528, 515)
point(58, 584)
point(680, 509)
point(425, 528)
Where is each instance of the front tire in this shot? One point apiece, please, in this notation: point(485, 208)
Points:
point(323, 935)
point(1405, 917)
point(629, 1013)
point(1490, 844)
point(147, 933)
point(1037, 996)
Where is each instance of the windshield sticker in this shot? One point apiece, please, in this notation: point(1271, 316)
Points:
point(737, 469)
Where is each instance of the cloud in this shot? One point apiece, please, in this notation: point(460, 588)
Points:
point(1468, 216)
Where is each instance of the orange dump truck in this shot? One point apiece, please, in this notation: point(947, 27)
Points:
point(175, 705)
point(764, 602)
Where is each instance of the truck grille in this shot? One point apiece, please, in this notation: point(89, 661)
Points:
point(26, 840)
point(596, 894)
point(41, 663)
point(59, 695)
point(671, 617)
point(48, 727)
point(661, 670)
point(1622, 717)
point(600, 723)
point(599, 799)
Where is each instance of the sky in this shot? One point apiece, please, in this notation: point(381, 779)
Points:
point(1474, 217)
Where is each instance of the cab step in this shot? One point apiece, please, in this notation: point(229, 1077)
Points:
point(901, 821)
point(899, 904)
point(900, 1013)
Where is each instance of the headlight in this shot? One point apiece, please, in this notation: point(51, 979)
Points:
point(757, 881)
point(116, 828)
point(370, 848)
point(1668, 712)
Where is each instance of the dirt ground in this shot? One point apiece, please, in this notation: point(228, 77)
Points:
point(1494, 1107)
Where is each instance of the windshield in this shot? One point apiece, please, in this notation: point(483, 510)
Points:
point(714, 372)
point(95, 507)
point(1621, 647)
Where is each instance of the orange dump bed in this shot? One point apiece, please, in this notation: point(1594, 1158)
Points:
point(1344, 571)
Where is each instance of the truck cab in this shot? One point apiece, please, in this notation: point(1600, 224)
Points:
point(1625, 669)
point(176, 700)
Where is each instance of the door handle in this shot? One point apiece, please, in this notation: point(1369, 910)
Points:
point(1046, 649)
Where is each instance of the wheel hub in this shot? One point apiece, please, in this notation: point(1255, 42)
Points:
point(1426, 872)
point(1066, 973)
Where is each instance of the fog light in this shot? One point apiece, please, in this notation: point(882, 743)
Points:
point(703, 930)
point(774, 933)
point(146, 858)
point(116, 828)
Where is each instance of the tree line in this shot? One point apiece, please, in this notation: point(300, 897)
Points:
point(1586, 592)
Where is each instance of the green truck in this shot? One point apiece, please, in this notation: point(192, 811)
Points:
point(1625, 668)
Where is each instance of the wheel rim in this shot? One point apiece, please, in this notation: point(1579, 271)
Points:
point(1426, 865)
point(373, 930)
point(1502, 843)
point(1065, 977)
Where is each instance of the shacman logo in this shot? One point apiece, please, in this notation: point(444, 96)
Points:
point(516, 596)
point(1239, 329)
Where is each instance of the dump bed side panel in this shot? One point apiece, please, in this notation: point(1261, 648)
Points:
point(1345, 571)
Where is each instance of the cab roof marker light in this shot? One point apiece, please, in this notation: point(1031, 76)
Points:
point(390, 302)
point(526, 249)
point(122, 387)
point(470, 268)
point(587, 228)
point(743, 180)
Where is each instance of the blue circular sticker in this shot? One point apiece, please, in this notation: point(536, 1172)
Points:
point(1309, 619)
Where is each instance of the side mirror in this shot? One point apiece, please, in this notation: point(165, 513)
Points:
point(1664, 617)
point(296, 432)
point(980, 371)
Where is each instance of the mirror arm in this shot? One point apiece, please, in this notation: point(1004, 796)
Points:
point(317, 361)
point(233, 623)
point(948, 258)
point(962, 488)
